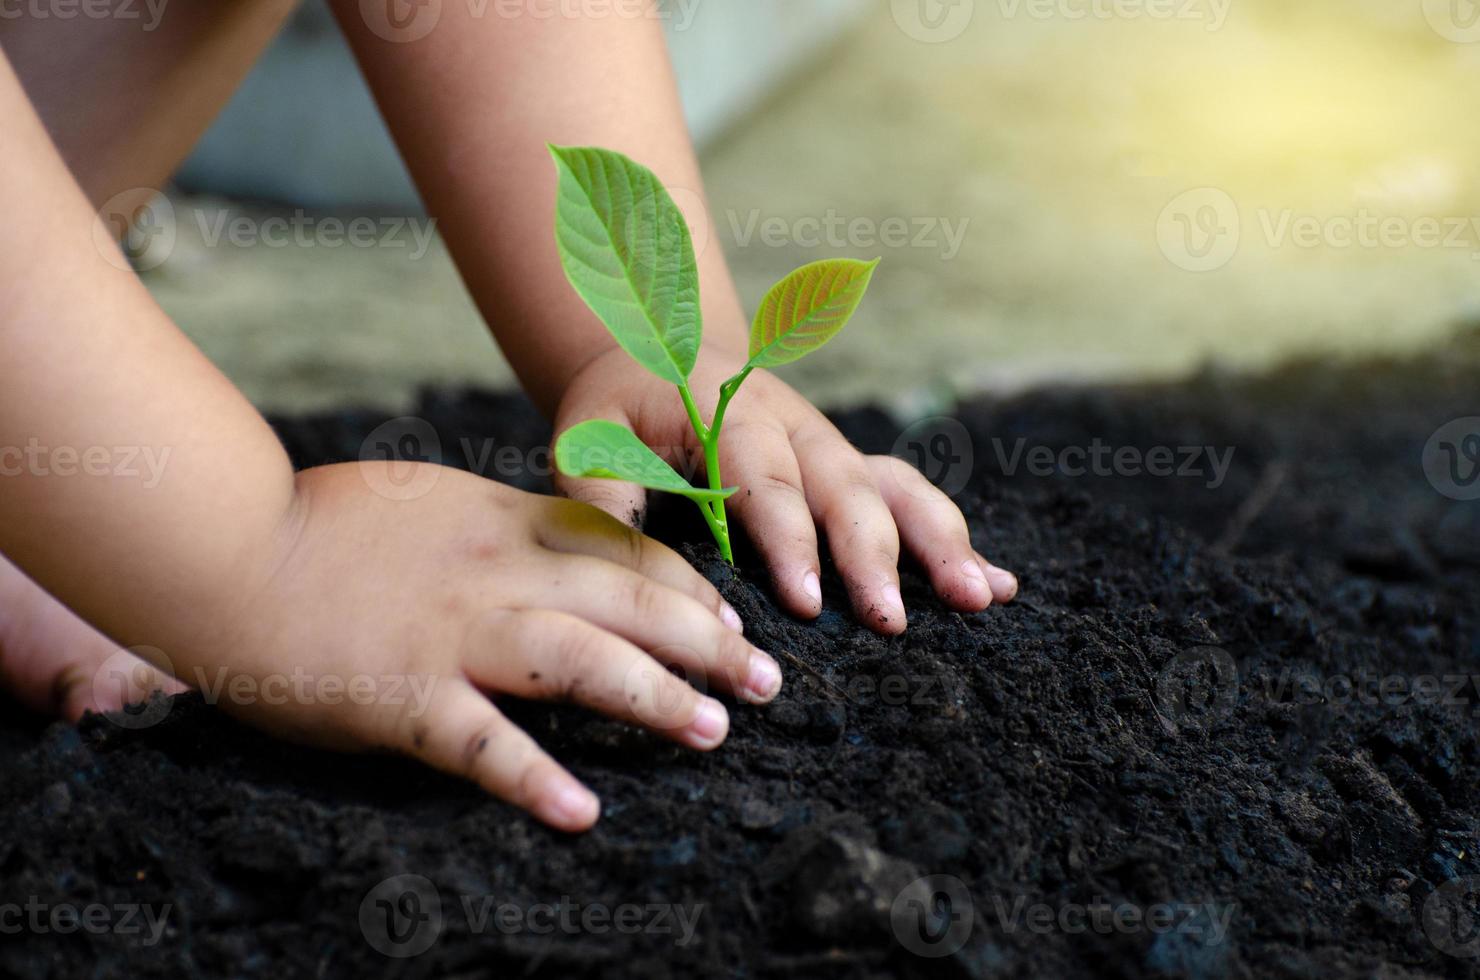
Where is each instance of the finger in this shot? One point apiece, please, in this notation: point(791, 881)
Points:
point(554, 656)
point(675, 628)
point(627, 502)
point(934, 531)
point(773, 508)
point(860, 528)
point(1004, 583)
point(463, 734)
point(120, 680)
point(581, 530)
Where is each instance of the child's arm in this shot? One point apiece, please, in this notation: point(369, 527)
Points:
point(472, 104)
point(141, 489)
point(91, 364)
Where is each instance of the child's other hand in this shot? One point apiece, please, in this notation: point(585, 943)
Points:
point(796, 473)
point(477, 589)
point(57, 665)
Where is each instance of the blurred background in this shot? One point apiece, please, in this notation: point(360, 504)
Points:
point(1060, 190)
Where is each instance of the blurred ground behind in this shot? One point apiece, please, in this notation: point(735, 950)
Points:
point(1055, 197)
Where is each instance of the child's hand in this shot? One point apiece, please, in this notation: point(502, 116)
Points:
point(796, 472)
point(479, 589)
point(55, 664)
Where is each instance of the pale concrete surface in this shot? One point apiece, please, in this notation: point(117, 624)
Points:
point(1334, 146)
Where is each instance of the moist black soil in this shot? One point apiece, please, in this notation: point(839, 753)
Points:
point(1209, 705)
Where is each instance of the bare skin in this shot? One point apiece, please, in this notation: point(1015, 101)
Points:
point(233, 566)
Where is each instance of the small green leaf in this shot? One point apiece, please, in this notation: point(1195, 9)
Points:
point(803, 311)
point(598, 448)
point(626, 249)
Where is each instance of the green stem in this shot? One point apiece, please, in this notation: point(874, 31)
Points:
point(721, 524)
point(714, 511)
point(726, 392)
point(700, 429)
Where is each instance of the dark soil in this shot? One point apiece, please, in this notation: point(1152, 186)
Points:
point(1158, 727)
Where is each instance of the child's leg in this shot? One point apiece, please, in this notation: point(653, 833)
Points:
point(124, 100)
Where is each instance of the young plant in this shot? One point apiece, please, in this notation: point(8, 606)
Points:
point(627, 250)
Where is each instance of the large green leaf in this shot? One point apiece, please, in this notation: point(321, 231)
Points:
point(626, 249)
point(598, 448)
point(803, 311)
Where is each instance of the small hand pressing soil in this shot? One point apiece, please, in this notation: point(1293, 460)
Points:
point(1227, 730)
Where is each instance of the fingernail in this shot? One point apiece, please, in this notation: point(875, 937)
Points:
point(893, 600)
point(891, 607)
point(710, 725)
point(1004, 583)
point(813, 587)
point(765, 678)
point(973, 571)
point(730, 617)
point(571, 806)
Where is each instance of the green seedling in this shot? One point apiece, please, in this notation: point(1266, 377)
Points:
point(627, 251)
